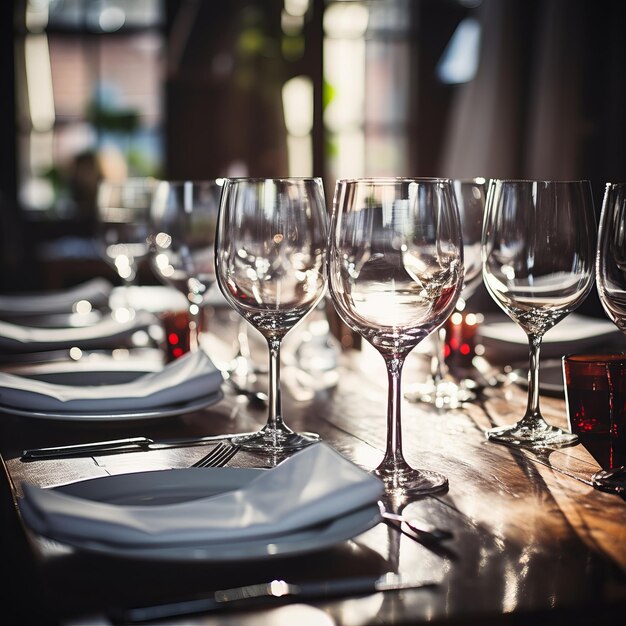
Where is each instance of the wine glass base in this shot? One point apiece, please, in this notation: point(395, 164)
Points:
point(611, 481)
point(444, 394)
point(407, 481)
point(537, 434)
point(275, 441)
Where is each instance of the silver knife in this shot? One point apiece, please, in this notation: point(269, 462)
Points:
point(268, 593)
point(417, 530)
point(130, 444)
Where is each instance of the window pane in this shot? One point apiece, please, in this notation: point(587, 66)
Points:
point(387, 83)
point(71, 83)
point(386, 154)
point(130, 75)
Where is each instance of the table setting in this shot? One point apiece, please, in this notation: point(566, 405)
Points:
point(142, 485)
point(187, 384)
point(89, 295)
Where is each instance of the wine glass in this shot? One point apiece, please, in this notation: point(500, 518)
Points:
point(538, 250)
point(183, 222)
point(122, 226)
point(611, 283)
point(611, 256)
point(270, 264)
point(395, 271)
point(441, 389)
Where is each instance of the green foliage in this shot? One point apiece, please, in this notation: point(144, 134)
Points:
point(113, 120)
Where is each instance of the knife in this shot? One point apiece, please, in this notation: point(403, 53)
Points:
point(417, 530)
point(130, 444)
point(274, 592)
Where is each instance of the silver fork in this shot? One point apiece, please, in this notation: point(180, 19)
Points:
point(219, 456)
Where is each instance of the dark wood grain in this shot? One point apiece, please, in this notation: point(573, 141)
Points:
point(533, 540)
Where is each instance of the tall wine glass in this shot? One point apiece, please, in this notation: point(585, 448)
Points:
point(441, 389)
point(395, 271)
point(123, 208)
point(538, 250)
point(270, 263)
point(183, 222)
point(611, 282)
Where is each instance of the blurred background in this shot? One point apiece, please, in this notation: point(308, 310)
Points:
point(191, 89)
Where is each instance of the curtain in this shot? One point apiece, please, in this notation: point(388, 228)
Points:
point(520, 116)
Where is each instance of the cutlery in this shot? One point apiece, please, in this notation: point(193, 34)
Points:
point(256, 398)
point(219, 456)
point(412, 528)
point(275, 591)
point(130, 444)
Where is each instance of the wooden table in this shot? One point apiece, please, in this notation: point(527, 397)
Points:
point(533, 541)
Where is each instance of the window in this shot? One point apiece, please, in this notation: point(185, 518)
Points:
point(88, 79)
point(367, 86)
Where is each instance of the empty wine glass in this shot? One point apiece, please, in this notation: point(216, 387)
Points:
point(538, 250)
point(122, 227)
point(611, 256)
point(270, 263)
point(183, 222)
point(611, 283)
point(395, 271)
point(441, 389)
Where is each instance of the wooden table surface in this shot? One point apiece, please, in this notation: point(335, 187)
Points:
point(533, 541)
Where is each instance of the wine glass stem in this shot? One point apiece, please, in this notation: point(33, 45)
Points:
point(275, 420)
point(393, 452)
point(194, 327)
point(611, 376)
point(438, 367)
point(243, 346)
point(532, 410)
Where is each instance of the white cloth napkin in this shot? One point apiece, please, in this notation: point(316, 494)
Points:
point(15, 338)
point(153, 298)
point(192, 376)
point(313, 486)
point(96, 291)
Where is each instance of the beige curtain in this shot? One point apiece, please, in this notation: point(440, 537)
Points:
point(555, 128)
point(519, 117)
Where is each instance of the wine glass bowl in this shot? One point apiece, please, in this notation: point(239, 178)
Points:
point(471, 196)
point(123, 208)
point(538, 251)
point(395, 270)
point(183, 222)
point(611, 284)
point(442, 389)
point(611, 255)
point(270, 263)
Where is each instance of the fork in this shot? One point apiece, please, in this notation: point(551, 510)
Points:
point(219, 456)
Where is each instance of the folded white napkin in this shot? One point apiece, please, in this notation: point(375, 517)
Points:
point(314, 486)
point(96, 291)
point(153, 298)
point(192, 376)
point(15, 338)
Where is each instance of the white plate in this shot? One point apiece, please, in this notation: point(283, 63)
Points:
point(165, 411)
point(170, 486)
point(505, 341)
